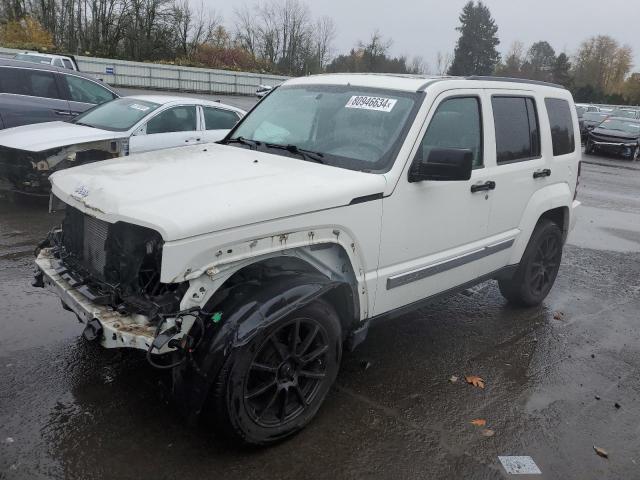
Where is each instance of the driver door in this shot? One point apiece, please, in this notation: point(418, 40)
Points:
point(174, 127)
point(434, 232)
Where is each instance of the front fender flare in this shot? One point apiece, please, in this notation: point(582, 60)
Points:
point(249, 309)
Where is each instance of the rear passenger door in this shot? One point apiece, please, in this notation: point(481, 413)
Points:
point(176, 126)
point(517, 156)
point(217, 123)
point(30, 96)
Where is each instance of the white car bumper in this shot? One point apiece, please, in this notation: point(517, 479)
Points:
point(118, 331)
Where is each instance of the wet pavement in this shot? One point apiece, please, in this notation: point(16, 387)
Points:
point(554, 375)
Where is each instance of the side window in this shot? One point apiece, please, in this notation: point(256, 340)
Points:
point(57, 62)
point(517, 130)
point(86, 91)
point(457, 123)
point(176, 119)
point(42, 84)
point(67, 64)
point(561, 123)
point(12, 81)
point(219, 119)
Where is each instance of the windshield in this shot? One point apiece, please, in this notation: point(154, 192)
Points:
point(349, 127)
point(26, 57)
point(595, 116)
point(117, 115)
point(624, 113)
point(621, 126)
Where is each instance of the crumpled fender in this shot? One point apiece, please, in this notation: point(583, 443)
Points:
point(250, 308)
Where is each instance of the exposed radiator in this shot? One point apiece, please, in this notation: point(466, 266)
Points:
point(94, 255)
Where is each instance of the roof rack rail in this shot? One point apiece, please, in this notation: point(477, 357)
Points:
point(514, 80)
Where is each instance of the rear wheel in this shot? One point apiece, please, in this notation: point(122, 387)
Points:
point(272, 387)
point(538, 268)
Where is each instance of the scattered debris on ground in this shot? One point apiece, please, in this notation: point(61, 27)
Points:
point(487, 432)
point(558, 315)
point(519, 465)
point(453, 379)
point(475, 381)
point(601, 452)
point(479, 422)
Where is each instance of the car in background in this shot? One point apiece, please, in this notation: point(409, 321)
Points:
point(35, 93)
point(616, 135)
point(591, 120)
point(583, 108)
point(62, 61)
point(29, 154)
point(626, 113)
point(263, 90)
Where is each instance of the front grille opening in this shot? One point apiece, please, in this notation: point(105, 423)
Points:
point(120, 260)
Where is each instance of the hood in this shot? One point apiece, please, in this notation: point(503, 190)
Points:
point(615, 134)
point(44, 136)
point(188, 191)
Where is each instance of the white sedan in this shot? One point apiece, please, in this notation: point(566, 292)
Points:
point(140, 123)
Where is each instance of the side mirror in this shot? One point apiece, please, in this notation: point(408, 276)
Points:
point(443, 164)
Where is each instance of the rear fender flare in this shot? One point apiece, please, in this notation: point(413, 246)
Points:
point(543, 200)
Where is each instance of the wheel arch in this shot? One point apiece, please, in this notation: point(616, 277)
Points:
point(553, 203)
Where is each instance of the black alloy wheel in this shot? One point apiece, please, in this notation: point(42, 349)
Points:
point(542, 270)
point(271, 387)
point(286, 372)
point(538, 267)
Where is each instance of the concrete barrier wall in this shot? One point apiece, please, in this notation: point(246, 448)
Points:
point(122, 73)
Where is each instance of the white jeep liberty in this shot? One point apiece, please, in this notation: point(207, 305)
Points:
point(246, 266)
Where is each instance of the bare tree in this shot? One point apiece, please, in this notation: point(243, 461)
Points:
point(324, 35)
point(443, 62)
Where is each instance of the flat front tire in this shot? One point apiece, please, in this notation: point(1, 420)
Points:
point(538, 268)
point(272, 387)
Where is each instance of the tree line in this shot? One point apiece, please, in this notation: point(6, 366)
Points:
point(282, 36)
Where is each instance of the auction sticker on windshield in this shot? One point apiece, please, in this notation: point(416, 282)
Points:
point(137, 106)
point(380, 104)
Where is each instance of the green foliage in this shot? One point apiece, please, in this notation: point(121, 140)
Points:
point(475, 52)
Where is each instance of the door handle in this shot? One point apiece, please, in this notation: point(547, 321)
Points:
point(479, 187)
point(542, 173)
point(63, 113)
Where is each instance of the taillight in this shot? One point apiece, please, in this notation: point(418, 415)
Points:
point(575, 194)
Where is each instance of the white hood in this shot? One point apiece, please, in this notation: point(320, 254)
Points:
point(44, 136)
point(189, 191)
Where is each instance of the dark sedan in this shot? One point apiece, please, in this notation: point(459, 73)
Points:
point(618, 136)
point(591, 120)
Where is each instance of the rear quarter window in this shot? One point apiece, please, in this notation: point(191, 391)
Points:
point(561, 123)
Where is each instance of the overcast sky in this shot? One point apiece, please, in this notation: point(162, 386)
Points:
point(425, 27)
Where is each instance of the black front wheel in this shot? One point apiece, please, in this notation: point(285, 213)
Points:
point(272, 387)
point(538, 267)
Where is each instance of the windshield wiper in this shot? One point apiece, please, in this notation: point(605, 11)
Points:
point(243, 141)
point(304, 153)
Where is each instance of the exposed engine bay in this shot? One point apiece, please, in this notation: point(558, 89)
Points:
point(28, 171)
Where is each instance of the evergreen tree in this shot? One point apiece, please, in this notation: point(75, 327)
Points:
point(475, 52)
point(562, 70)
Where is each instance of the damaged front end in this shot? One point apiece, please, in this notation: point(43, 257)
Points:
point(109, 275)
point(29, 171)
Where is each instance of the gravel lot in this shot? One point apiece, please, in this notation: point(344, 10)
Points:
point(554, 375)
